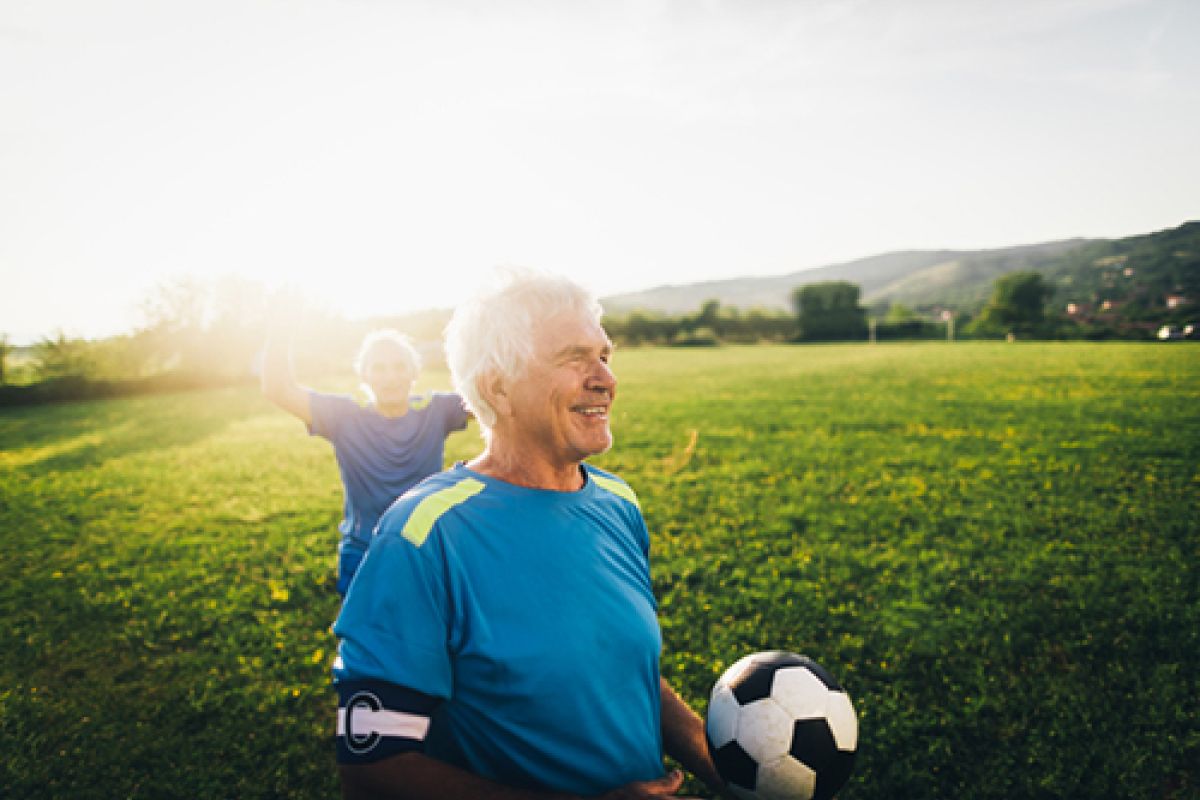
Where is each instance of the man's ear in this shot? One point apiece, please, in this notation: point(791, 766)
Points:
point(494, 389)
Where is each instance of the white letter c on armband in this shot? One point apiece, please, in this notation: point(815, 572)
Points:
point(365, 742)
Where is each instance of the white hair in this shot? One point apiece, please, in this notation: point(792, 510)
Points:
point(492, 333)
point(407, 350)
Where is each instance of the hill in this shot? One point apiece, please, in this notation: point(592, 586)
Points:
point(1082, 270)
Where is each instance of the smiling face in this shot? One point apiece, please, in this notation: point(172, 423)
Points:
point(387, 371)
point(557, 410)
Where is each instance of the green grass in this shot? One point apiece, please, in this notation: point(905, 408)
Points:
point(993, 546)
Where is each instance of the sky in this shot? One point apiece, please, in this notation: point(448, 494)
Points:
point(380, 156)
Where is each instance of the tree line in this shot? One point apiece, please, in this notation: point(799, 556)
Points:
point(832, 311)
point(194, 333)
point(211, 333)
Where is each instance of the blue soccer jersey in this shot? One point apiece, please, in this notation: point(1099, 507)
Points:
point(507, 630)
point(381, 457)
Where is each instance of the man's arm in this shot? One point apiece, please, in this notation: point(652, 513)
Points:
point(415, 776)
point(278, 381)
point(683, 738)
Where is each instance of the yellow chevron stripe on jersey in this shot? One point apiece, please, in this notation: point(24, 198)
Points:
point(619, 488)
point(417, 403)
point(420, 522)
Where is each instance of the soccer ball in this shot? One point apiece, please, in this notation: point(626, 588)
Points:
point(779, 727)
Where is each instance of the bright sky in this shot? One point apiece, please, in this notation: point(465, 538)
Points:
point(379, 155)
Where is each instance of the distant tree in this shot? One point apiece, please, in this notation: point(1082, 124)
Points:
point(696, 337)
point(635, 328)
point(5, 349)
point(211, 328)
point(710, 313)
point(769, 325)
point(175, 314)
point(1017, 305)
point(647, 327)
point(898, 312)
point(711, 321)
point(829, 311)
point(62, 357)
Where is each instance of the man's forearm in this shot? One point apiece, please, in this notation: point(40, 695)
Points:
point(683, 737)
point(415, 776)
point(279, 381)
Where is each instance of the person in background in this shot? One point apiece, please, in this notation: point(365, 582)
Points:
point(501, 639)
point(383, 448)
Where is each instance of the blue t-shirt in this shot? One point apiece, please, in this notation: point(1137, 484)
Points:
point(529, 614)
point(380, 458)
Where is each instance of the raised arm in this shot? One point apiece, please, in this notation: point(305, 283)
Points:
point(278, 381)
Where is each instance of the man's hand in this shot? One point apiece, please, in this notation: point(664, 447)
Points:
point(278, 381)
point(665, 786)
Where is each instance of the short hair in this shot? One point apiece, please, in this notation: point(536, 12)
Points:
point(407, 351)
point(492, 333)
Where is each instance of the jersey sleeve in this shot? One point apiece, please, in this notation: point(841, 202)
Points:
point(328, 412)
point(393, 664)
point(643, 534)
point(454, 412)
point(632, 508)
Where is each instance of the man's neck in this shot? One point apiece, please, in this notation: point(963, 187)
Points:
point(531, 473)
point(392, 410)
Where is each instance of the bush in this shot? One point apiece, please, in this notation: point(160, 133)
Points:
point(699, 337)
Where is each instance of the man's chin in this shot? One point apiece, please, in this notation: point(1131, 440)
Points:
point(600, 446)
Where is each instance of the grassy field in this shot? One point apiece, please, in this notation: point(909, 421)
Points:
point(994, 546)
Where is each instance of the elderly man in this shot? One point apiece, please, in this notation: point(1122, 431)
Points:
point(501, 638)
point(382, 449)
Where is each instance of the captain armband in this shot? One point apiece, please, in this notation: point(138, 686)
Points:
point(376, 720)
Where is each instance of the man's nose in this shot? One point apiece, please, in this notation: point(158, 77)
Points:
point(602, 378)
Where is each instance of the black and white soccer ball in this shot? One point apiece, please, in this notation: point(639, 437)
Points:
point(779, 727)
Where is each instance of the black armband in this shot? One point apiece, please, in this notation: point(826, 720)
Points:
point(376, 720)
